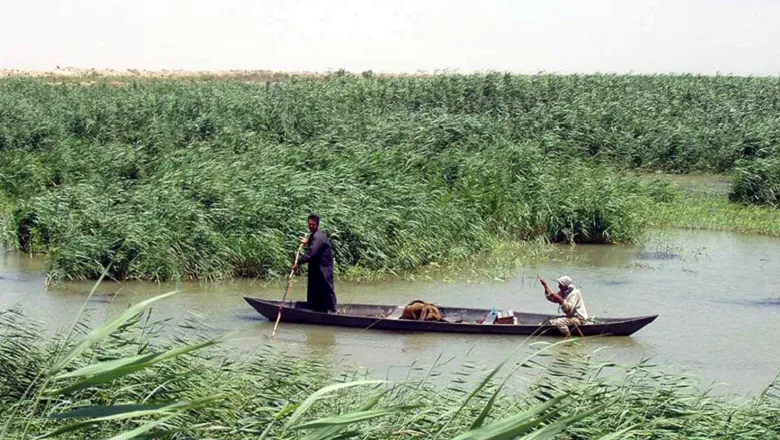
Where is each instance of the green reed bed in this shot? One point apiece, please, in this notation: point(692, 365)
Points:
point(135, 377)
point(675, 123)
point(213, 179)
point(199, 215)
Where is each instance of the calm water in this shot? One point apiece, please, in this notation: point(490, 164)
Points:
point(716, 294)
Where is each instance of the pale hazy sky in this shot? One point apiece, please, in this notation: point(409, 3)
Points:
point(740, 36)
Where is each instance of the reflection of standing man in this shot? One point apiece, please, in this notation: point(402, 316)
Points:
point(320, 294)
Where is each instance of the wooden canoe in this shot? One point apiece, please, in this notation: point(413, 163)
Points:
point(458, 320)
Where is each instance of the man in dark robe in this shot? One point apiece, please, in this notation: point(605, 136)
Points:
point(320, 294)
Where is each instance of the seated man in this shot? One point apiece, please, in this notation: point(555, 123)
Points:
point(571, 303)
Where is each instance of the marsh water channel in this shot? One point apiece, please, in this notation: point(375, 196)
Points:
point(716, 293)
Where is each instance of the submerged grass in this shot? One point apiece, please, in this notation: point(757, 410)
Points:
point(704, 203)
point(716, 213)
point(133, 381)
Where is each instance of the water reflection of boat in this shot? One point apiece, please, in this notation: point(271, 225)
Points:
point(457, 320)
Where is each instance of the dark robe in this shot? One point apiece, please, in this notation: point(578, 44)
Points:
point(320, 294)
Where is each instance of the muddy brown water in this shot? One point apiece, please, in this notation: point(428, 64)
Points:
point(717, 295)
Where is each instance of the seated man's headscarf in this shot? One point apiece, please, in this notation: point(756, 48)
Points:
point(567, 283)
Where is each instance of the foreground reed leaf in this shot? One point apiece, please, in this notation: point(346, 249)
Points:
point(552, 430)
point(619, 434)
point(141, 430)
point(103, 331)
point(125, 412)
point(354, 417)
point(106, 411)
point(114, 369)
point(330, 431)
point(475, 391)
point(322, 394)
point(513, 426)
point(546, 347)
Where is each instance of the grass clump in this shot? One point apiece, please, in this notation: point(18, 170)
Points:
point(757, 182)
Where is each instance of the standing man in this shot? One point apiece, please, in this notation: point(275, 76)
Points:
point(571, 303)
point(320, 294)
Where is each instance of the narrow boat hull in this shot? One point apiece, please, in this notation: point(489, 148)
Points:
point(459, 320)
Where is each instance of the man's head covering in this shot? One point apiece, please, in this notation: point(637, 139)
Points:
point(566, 282)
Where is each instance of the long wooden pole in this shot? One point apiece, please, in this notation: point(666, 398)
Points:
point(289, 284)
point(578, 330)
